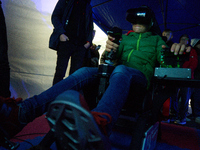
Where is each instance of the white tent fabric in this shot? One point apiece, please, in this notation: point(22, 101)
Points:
point(32, 63)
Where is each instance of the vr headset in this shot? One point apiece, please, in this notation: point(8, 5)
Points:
point(141, 15)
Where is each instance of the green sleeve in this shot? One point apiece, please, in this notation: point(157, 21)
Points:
point(119, 51)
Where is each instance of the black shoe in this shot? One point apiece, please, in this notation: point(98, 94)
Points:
point(9, 123)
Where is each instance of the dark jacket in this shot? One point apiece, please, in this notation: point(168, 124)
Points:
point(61, 15)
point(197, 70)
point(192, 62)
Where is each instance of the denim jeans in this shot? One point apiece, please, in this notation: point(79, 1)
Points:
point(195, 102)
point(181, 109)
point(111, 102)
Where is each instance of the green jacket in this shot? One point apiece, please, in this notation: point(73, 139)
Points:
point(141, 51)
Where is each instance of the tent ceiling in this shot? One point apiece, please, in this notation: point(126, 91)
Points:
point(181, 16)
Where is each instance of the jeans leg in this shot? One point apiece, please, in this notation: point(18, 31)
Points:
point(158, 100)
point(38, 104)
point(196, 102)
point(192, 100)
point(185, 94)
point(174, 103)
point(117, 92)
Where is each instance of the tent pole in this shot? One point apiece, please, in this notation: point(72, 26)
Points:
point(165, 19)
point(163, 12)
point(101, 3)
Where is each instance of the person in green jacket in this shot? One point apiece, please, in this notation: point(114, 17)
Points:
point(137, 53)
point(140, 49)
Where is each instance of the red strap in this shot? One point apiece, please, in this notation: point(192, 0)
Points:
point(129, 32)
point(102, 122)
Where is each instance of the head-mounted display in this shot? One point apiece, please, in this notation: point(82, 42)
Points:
point(141, 15)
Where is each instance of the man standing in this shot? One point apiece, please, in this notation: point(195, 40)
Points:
point(72, 34)
point(167, 35)
point(4, 64)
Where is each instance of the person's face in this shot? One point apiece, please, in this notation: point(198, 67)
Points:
point(184, 40)
point(139, 28)
point(168, 35)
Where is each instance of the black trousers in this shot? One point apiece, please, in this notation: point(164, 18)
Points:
point(65, 51)
point(4, 64)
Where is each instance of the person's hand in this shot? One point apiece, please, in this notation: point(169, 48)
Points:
point(179, 48)
point(63, 38)
point(94, 61)
point(87, 45)
point(111, 45)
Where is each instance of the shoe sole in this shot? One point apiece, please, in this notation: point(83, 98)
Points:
point(74, 127)
point(180, 123)
point(165, 121)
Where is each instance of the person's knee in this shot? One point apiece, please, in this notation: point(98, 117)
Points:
point(120, 73)
point(81, 70)
point(120, 69)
